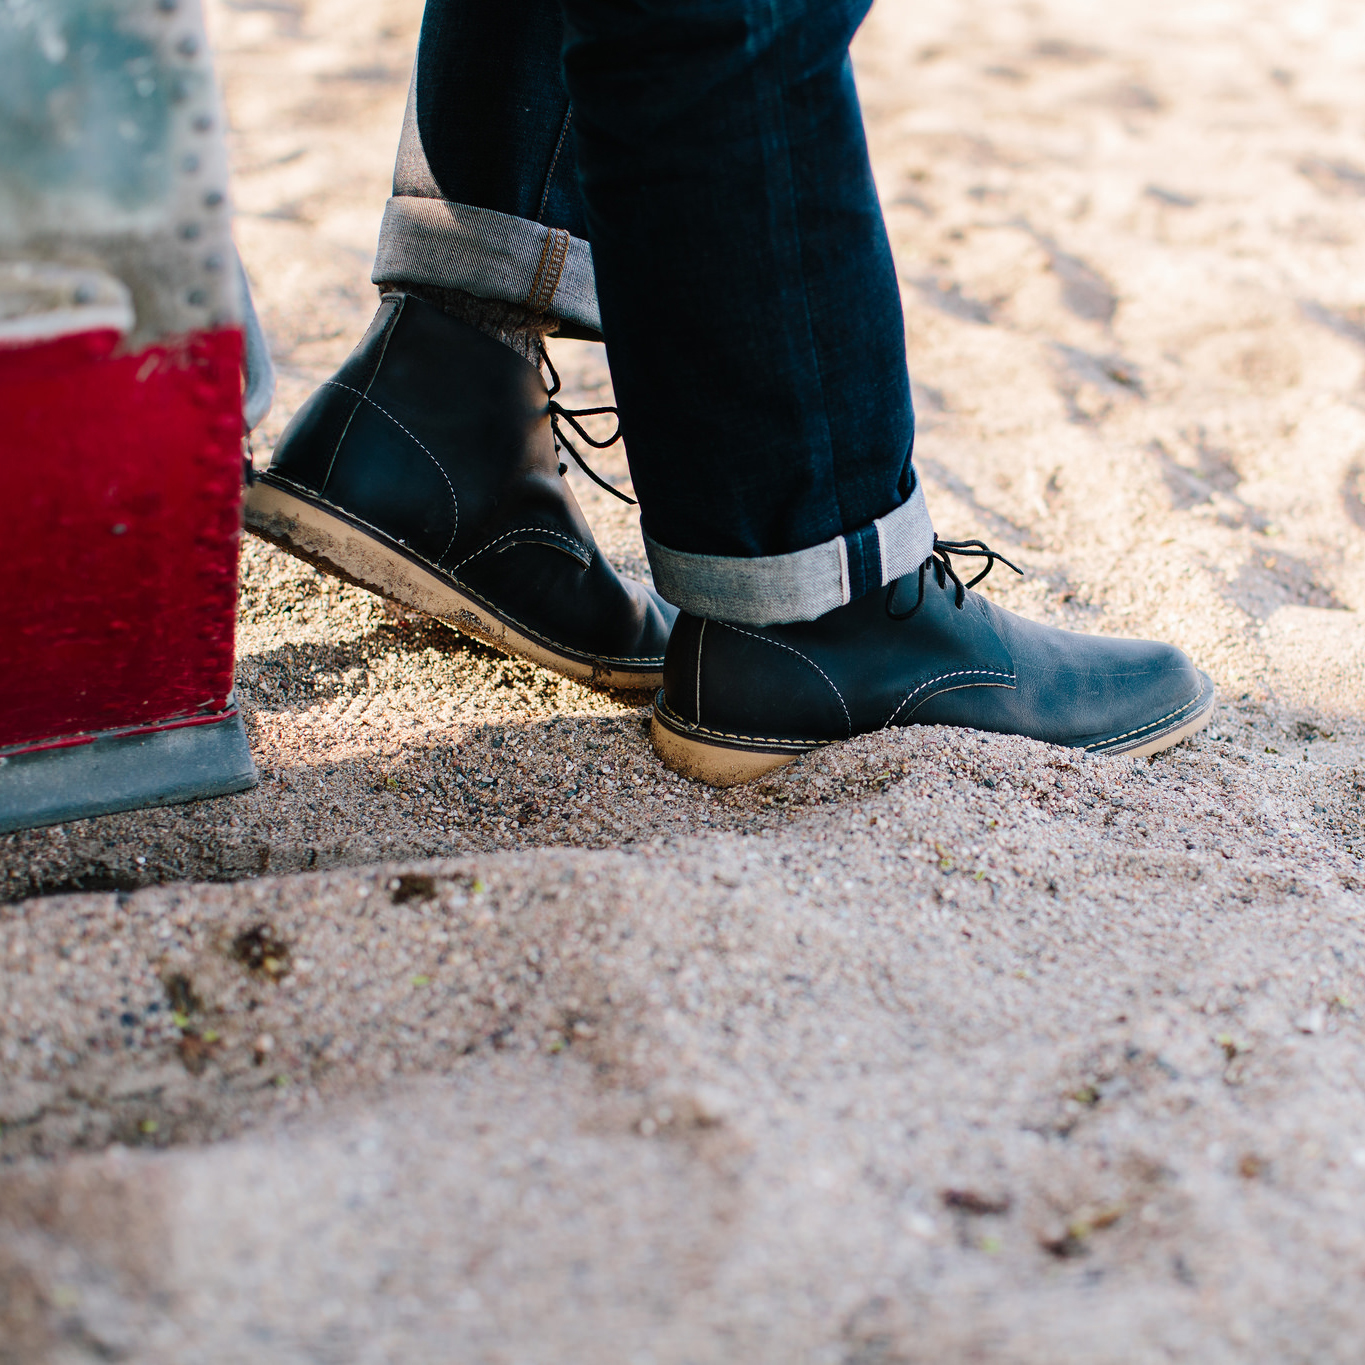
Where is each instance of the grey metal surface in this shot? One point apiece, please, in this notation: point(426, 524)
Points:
point(124, 772)
point(112, 155)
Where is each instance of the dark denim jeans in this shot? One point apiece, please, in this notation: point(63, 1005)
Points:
point(712, 152)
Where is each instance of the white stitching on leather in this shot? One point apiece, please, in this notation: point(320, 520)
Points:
point(555, 644)
point(797, 745)
point(804, 658)
point(390, 328)
point(365, 397)
point(806, 745)
point(523, 530)
point(1151, 725)
point(310, 495)
point(701, 635)
point(942, 677)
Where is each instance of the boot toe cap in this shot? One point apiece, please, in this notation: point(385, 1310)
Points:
point(1101, 693)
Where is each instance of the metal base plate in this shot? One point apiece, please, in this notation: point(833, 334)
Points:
point(124, 772)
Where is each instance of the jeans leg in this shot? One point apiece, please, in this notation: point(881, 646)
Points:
point(730, 203)
point(485, 195)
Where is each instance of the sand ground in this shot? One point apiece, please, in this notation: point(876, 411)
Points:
point(472, 1034)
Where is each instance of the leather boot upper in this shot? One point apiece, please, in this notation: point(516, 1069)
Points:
point(439, 437)
point(911, 654)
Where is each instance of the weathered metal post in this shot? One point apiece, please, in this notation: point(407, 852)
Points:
point(121, 394)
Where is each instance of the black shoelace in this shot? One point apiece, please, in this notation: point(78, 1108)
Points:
point(940, 561)
point(940, 557)
point(559, 412)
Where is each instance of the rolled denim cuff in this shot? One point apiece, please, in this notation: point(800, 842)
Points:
point(776, 589)
point(489, 254)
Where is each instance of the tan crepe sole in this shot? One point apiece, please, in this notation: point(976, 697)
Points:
point(722, 766)
point(328, 541)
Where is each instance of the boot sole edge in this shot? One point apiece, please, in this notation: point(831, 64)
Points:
point(358, 554)
point(1194, 721)
point(734, 760)
point(719, 761)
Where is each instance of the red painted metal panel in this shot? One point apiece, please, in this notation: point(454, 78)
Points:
point(122, 487)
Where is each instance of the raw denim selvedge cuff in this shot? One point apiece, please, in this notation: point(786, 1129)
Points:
point(777, 589)
point(489, 254)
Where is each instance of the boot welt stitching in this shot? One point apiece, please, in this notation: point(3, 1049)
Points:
point(804, 658)
point(800, 745)
point(1128, 734)
point(943, 677)
point(807, 744)
point(522, 530)
point(361, 523)
point(336, 384)
point(555, 644)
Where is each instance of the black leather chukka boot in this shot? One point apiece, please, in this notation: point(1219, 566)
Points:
point(425, 470)
point(738, 701)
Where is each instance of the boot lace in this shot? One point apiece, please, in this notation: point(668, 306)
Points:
point(940, 562)
point(559, 413)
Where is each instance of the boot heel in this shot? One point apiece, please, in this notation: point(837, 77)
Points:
point(714, 762)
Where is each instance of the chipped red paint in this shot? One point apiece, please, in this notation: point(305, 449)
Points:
point(118, 576)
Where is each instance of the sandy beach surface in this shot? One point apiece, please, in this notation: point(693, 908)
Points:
point(474, 1035)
